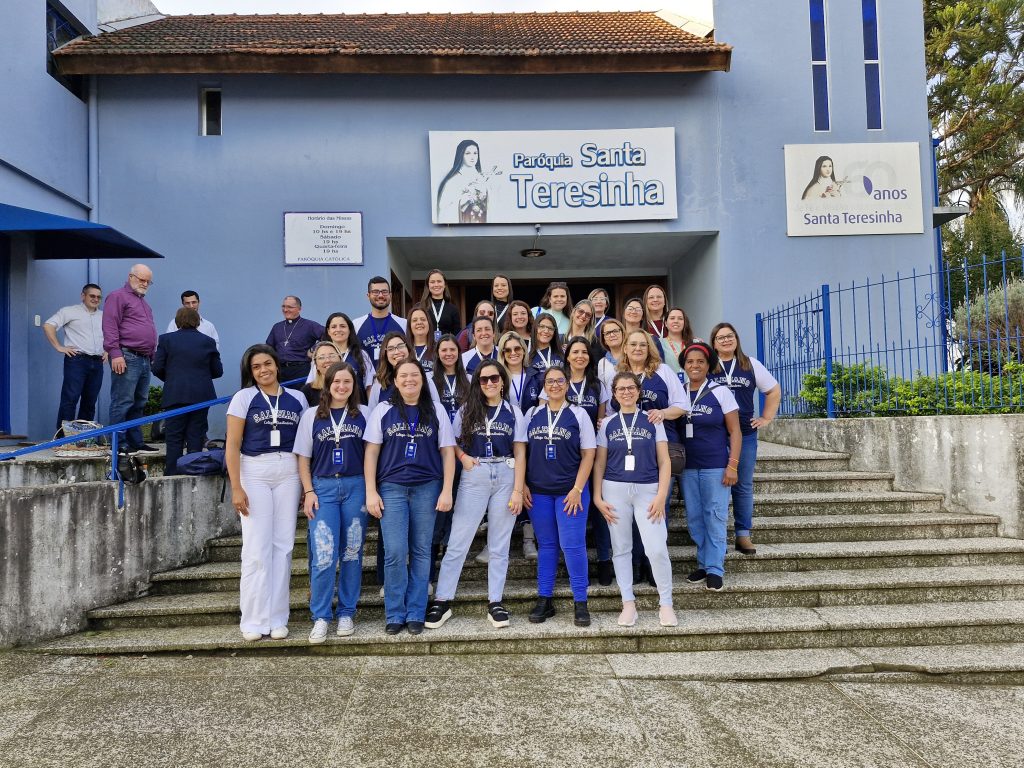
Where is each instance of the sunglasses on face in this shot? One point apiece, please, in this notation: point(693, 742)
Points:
point(493, 378)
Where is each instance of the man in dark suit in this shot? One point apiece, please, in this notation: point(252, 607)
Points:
point(187, 361)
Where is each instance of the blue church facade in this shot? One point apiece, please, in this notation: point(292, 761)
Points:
point(132, 155)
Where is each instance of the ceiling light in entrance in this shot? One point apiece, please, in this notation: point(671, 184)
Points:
point(533, 252)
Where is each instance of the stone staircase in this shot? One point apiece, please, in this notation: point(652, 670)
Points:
point(843, 562)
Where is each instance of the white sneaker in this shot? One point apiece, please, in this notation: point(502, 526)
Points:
point(483, 556)
point(345, 626)
point(382, 591)
point(529, 543)
point(430, 589)
point(319, 633)
point(251, 637)
point(279, 633)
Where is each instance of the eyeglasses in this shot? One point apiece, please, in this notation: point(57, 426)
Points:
point(325, 358)
point(633, 308)
point(726, 337)
point(612, 332)
point(142, 280)
point(545, 327)
point(554, 382)
point(380, 292)
point(513, 350)
point(395, 348)
point(494, 378)
point(584, 313)
point(93, 296)
point(627, 389)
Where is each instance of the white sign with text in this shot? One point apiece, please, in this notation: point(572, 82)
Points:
point(853, 189)
point(529, 177)
point(323, 239)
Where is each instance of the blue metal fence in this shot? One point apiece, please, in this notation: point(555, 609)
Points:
point(940, 341)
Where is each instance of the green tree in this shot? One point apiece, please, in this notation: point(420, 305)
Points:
point(974, 51)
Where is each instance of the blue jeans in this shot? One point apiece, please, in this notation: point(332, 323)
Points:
point(407, 526)
point(129, 392)
point(184, 434)
point(707, 510)
point(341, 518)
point(743, 491)
point(83, 377)
point(555, 528)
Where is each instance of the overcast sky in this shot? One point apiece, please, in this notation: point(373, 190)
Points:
point(415, 6)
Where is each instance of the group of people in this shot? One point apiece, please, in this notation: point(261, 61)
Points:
point(556, 418)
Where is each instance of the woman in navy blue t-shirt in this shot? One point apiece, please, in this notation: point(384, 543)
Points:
point(420, 337)
point(262, 420)
point(560, 455)
point(449, 377)
point(713, 442)
point(545, 349)
point(632, 477)
point(329, 444)
point(409, 468)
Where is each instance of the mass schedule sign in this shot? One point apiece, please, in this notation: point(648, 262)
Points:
point(529, 177)
point(323, 239)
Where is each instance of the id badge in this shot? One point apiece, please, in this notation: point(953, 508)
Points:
point(410, 450)
point(489, 450)
point(630, 462)
point(510, 462)
point(550, 452)
point(437, 335)
point(339, 457)
point(376, 352)
point(689, 430)
point(275, 438)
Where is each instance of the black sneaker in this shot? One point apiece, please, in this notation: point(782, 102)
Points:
point(713, 583)
point(544, 609)
point(581, 614)
point(145, 450)
point(697, 576)
point(394, 628)
point(605, 572)
point(498, 615)
point(415, 627)
point(438, 612)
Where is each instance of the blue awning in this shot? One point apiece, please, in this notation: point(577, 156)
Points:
point(61, 237)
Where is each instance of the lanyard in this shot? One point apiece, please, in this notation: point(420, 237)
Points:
point(700, 394)
point(654, 328)
point(421, 351)
point(551, 423)
point(449, 384)
point(728, 372)
point(481, 356)
point(547, 360)
point(437, 312)
point(273, 407)
point(627, 434)
point(488, 422)
point(337, 425)
point(413, 427)
point(497, 320)
point(579, 392)
point(519, 390)
point(376, 333)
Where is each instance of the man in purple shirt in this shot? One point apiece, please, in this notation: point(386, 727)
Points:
point(129, 339)
point(292, 339)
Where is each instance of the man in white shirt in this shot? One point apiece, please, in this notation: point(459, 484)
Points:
point(190, 299)
point(83, 354)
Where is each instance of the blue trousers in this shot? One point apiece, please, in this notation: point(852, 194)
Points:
point(707, 510)
point(184, 434)
point(129, 392)
point(555, 528)
point(337, 532)
point(743, 491)
point(83, 377)
point(407, 526)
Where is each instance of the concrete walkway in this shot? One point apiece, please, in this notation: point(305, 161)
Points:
point(596, 710)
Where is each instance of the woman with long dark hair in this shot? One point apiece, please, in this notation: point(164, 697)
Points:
point(560, 455)
point(519, 318)
point(501, 295)
point(449, 376)
point(338, 328)
point(329, 444)
point(545, 350)
point(409, 467)
point(678, 336)
point(420, 337)
point(491, 438)
point(823, 183)
point(654, 302)
point(744, 375)
point(262, 421)
point(438, 304)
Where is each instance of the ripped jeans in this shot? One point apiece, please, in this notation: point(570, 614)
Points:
point(337, 532)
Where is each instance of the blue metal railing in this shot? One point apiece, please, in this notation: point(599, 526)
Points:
point(941, 341)
point(115, 438)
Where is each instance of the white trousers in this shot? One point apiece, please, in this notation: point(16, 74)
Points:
point(630, 502)
point(271, 481)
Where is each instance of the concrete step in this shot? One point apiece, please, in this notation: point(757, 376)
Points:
point(775, 457)
point(44, 468)
point(779, 589)
point(771, 530)
point(803, 557)
point(771, 482)
point(724, 629)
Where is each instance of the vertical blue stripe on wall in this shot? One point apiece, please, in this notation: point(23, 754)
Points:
point(821, 117)
point(873, 94)
point(872, 66)
point(870, 13)
point(818, 48)
point(819, 65)
point(5, 337)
